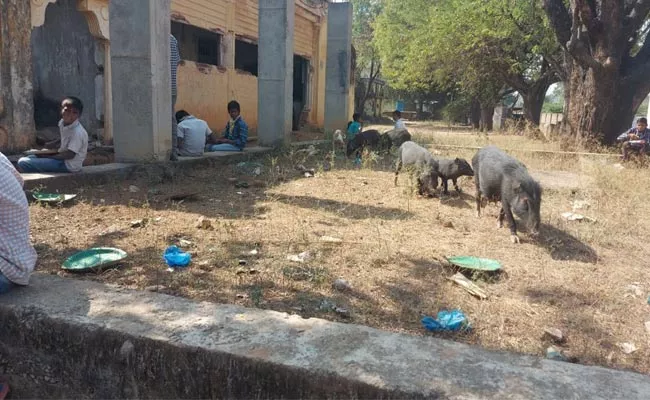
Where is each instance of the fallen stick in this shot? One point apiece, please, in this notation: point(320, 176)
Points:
point(469, 286)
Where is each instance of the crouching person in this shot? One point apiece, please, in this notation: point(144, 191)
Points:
point(636, 140)
point(236, 133)
point(72, 146)
point(17, 256)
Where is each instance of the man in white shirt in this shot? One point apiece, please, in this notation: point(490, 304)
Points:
point(72, 146)
point(192, 134)
point(17, 255)
point(399, 122)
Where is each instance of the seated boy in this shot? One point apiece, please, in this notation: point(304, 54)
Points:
point(192, 134)
point(72, 146)
point(17, 256)
point(354, 126)
point(636, 139)
point(236, 133)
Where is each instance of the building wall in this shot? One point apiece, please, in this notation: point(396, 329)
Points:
point(205, 90)
point(64, 64)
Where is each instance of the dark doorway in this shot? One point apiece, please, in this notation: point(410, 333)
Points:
point(300, 89)
point(246, 56)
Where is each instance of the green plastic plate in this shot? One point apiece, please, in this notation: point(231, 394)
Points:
point(53, 197)
point(99, 257)
point(480, 264)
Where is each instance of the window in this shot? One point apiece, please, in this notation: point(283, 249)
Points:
point(196, 44)
point(246, 56)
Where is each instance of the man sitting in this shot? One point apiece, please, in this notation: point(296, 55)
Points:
point(17, 256)
point(236, 133)
point(636, 139)
point(192, 134)
point(72, 146)
point(399, 122)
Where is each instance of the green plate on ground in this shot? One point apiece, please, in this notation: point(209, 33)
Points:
point(479, 264)
point(99, 257)
point(53, 197)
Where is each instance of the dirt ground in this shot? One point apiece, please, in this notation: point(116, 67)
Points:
point(591, 280)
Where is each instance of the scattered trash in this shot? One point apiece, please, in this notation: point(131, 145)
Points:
point(341, 285)
point(242, 262)
point(452, 321)
point(552, 353)
point(469, 286)
point(569, 216)
point(134, 189)
point(253, 252)
point(342, 311)
point(139, 223)
point(242, 296)
point(330, 239)
point(53, 197)
point(300, 258)
point(241, 185)
point(185, 243)
point(174, 257)
point(204, 223)
point(309, 174)
point(95, 258)
point(447, 224)
point(250, 271)
point(157, 219)
point(581, 205)
point(240, 193)
point(647, 327)
point(555, 334)
point(627, 348)
point(480, 264)
point(250, 168)
point(633, 290)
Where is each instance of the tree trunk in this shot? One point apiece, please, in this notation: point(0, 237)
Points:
point(534, 101)
point(475, 114)
point(601, 105)
point(487, 114)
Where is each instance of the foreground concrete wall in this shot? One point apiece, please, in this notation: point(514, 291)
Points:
point(16, 96)
point(102, 342)
point(64, 65)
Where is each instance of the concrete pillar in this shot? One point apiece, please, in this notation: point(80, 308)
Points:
point(17, 130)
point(140, 79)
point(275, 72)
point(339, 68)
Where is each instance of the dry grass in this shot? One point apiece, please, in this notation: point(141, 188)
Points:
point(573, 278)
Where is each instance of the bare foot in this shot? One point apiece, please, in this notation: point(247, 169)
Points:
point(515, 239)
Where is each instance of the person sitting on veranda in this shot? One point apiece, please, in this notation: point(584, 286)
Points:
point(235, 135)
point(72, 146)
point(636, 140)
point(192, 134)
point(399, 122)
point(354, 126)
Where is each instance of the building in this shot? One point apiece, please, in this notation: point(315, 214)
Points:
point(112, 54)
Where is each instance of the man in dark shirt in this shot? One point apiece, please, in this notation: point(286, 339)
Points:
point(636, 139)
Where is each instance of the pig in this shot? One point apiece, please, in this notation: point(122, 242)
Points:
point(398, 136)
point(453, 169)
point(426, 167)
point(361, 140)
point(499, 177)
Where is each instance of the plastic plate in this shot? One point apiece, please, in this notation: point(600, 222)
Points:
point(53, 197)
point(99, 257)
point(41, 152)
point(480, 264)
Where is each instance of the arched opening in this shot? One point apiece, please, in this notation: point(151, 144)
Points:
point(67, 60)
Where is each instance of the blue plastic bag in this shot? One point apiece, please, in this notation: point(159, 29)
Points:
point(174, 257)
point(452, 321)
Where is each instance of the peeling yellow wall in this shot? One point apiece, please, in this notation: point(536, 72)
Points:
point(205, 90)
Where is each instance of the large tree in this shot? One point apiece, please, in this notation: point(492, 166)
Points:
point(607, 62)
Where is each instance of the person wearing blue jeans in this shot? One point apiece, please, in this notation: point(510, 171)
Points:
point(72, 146)
point(235, 135)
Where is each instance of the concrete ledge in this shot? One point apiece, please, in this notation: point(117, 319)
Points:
point(68, 338)
point(99, 174)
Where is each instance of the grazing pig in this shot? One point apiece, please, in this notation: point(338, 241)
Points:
point(500, 177)
point(361, 140)
point(398, 136)
point(426, 167)
point(453, 169)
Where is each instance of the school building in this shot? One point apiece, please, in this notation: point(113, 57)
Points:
point(288, 63)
